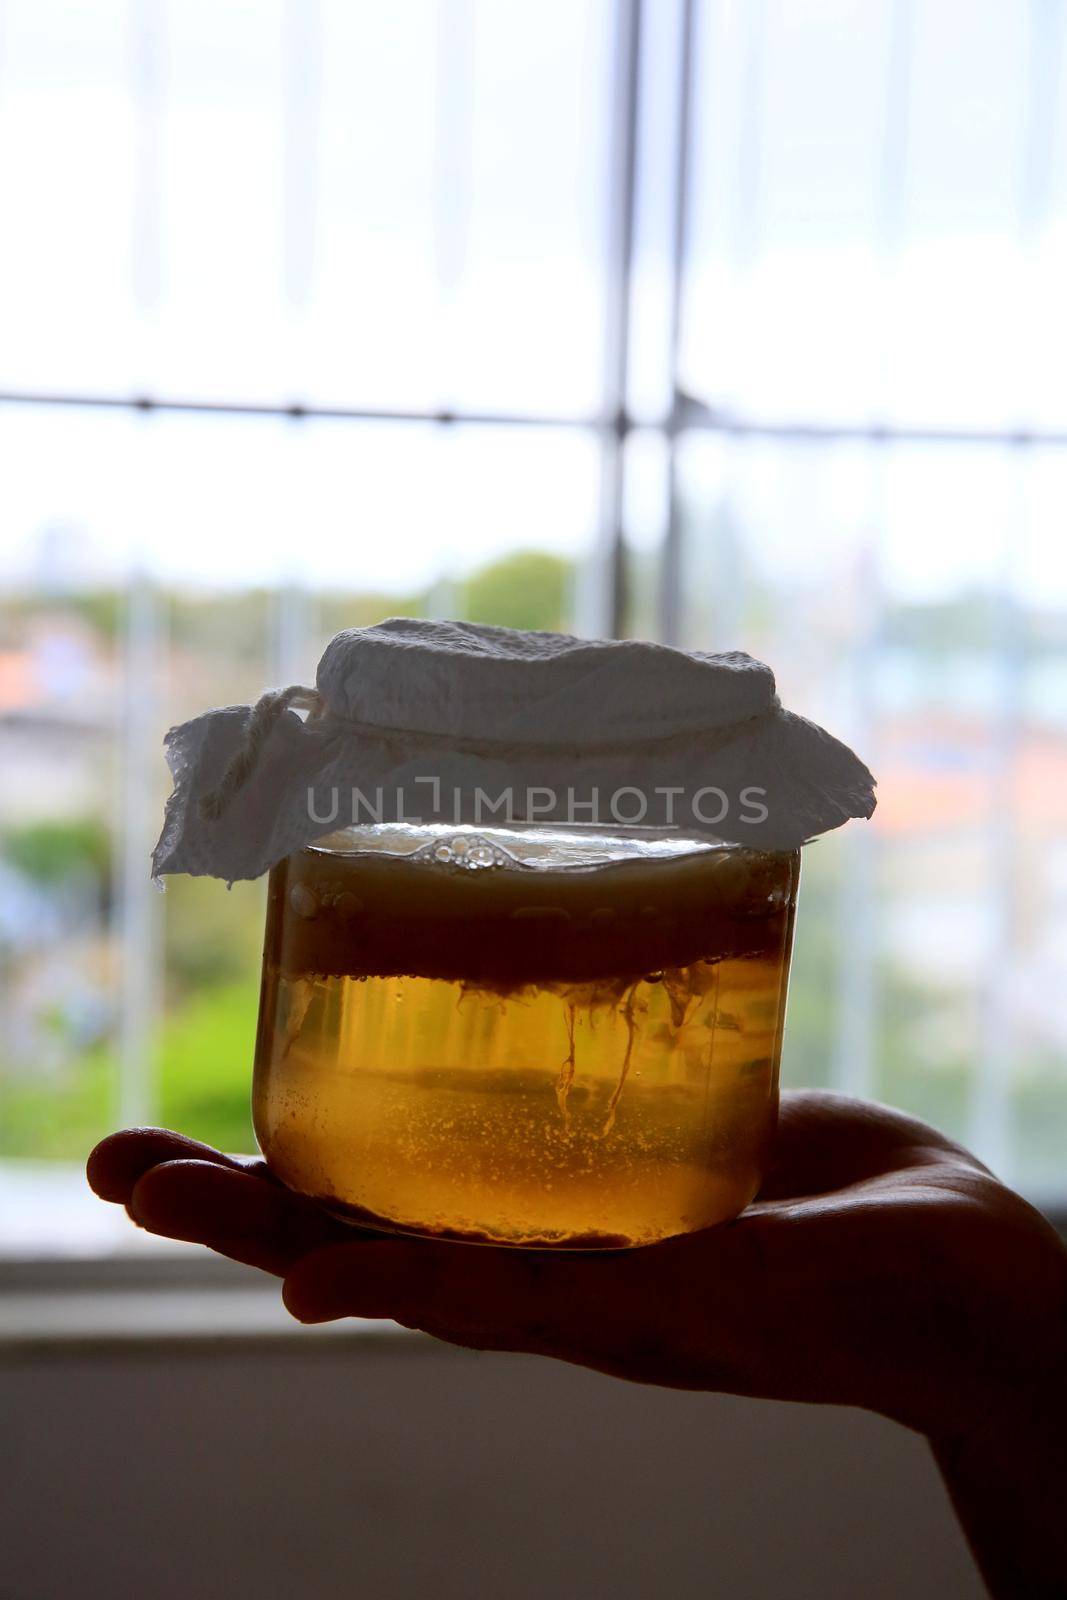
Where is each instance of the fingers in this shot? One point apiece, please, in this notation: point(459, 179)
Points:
point(475, 1295)
point(118, 1161)
point(181, 1189)
point(637, 1314)
point(232, 1211)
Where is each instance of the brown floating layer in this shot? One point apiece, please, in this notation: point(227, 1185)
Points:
point(348, 915)
point(359, 1216)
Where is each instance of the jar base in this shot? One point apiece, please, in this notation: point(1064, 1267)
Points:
point(590, 1243)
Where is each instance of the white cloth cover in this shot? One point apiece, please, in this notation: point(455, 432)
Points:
point(445, 718)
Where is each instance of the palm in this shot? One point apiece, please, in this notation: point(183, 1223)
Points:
point(882, 1266)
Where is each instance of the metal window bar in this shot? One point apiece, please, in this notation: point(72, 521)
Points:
point(138, 911)
point(858, 997)
point(139, 915)
point(691, 416)
point(671, 574)
point(605, 604)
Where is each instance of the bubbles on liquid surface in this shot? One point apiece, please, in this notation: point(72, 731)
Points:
point(470, 853)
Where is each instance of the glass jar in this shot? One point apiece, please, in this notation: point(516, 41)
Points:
point(532, 1036)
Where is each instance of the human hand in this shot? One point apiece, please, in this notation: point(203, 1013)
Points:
point(882, 1266)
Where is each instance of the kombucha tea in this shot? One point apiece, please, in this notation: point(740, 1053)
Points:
point(541, 1037)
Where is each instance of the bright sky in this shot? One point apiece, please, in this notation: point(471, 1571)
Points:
point(272, 201)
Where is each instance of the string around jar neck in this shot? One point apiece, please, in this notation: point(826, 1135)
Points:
point(265, 713)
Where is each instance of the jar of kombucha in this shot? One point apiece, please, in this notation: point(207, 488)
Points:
point(542, 1036)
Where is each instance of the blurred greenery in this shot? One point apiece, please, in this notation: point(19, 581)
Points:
point(339, 611)
point(206, 1060)
point(530, 589)
point(1039, 1108)
point(212, 936)
point(102, 609)
point(205, 1076)
point(49, 851)
point(807, 1051)
point(229, 626)
point(968, 621)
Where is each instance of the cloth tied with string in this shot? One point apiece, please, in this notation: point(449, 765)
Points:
point(463, 723)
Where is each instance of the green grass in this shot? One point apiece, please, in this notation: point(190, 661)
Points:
point(205, 1067)
point(57, 1117)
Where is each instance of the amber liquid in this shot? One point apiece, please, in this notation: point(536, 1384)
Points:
point(515, 1088)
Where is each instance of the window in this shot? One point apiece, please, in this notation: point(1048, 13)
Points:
point(731, 322)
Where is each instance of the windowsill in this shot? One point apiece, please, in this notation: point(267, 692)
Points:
point(47, 1211)
point(76, 1275)
point(181, 1300)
